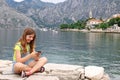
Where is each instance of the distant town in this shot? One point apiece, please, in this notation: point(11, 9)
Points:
point(111, 24)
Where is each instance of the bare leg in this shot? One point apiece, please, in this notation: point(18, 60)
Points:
point(19, 67)
point(32, 63)
point(37, 65)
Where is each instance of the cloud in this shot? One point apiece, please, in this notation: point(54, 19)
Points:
point(53, 1)
point(18, 0)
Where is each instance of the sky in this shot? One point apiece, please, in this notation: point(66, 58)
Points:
point(53, 1)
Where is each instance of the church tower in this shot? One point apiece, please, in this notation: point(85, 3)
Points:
point(90, 14)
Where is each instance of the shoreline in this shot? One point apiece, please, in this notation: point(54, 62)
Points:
point(76, 30)
point(91, 31)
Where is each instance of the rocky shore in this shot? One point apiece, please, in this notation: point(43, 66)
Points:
point(56, 72)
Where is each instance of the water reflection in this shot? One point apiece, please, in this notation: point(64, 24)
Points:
point(7, 40)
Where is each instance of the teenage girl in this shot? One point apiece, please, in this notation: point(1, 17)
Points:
point(25, 59)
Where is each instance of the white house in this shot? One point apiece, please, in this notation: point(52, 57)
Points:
point(91, 22)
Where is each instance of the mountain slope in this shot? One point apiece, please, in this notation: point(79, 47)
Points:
point(26, 5)
point(70, 10)
point(9, 18)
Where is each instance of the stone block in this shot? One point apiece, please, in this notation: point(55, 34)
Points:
point(10, 77)
point(94, 72)
point(35, 77)
point(62, 67)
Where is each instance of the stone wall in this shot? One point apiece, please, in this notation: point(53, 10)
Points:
point(56, 72)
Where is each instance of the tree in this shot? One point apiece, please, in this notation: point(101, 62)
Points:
point(104, 26)
point(114, 21)
point(64, 26)
point(80, 24)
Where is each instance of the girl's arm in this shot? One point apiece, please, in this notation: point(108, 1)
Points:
point(20, 59)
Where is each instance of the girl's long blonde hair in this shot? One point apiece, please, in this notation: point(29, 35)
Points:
point(27, 31)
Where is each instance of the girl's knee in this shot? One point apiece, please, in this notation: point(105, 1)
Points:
point(17, 67)
point(18, 64)
point(44, 59)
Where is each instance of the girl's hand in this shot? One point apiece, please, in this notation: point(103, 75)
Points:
point(38, 53)
point(38, 56)
point(35, 55)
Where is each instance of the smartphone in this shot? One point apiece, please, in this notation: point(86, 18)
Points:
point(39, 52)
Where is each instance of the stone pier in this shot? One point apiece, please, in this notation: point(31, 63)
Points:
point(56, 72)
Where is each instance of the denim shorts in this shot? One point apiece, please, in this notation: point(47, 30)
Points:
point(26, 63)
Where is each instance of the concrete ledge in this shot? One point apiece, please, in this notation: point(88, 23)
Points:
point(56, 72)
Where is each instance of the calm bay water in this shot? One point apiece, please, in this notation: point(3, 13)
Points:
point(97, 49)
